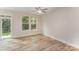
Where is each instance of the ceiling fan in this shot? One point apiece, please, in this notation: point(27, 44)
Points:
point(40, 10)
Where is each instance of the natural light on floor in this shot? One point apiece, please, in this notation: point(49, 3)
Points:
point(8, 36)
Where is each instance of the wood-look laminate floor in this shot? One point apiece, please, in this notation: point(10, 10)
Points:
point(34, 43)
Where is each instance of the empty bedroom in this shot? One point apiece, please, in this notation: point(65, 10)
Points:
point(39, 28)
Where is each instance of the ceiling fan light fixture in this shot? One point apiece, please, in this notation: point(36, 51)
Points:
point(39, 11)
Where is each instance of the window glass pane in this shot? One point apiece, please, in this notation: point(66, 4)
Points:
point(25, 19)
point(6, 26)
point(25, 26)
point(25, 23)
point(33, 26)
point(33, 23)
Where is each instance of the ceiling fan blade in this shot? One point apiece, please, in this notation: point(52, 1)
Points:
point(45, 9)
point(37, 8)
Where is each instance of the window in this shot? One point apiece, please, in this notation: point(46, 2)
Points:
point(33, 23)
point(25, 23)
point(29, 23)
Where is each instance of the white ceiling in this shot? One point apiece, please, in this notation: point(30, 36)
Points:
point(23, 9)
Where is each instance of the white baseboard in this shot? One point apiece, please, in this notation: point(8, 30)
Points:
point(73, 45)
point(25, 35)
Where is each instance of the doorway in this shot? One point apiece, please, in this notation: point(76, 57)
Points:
point(5, 25)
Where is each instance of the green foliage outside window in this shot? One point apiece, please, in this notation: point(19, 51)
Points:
point(28, 23)
point(33, 23)
point(6, 26)
point(25, 23)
